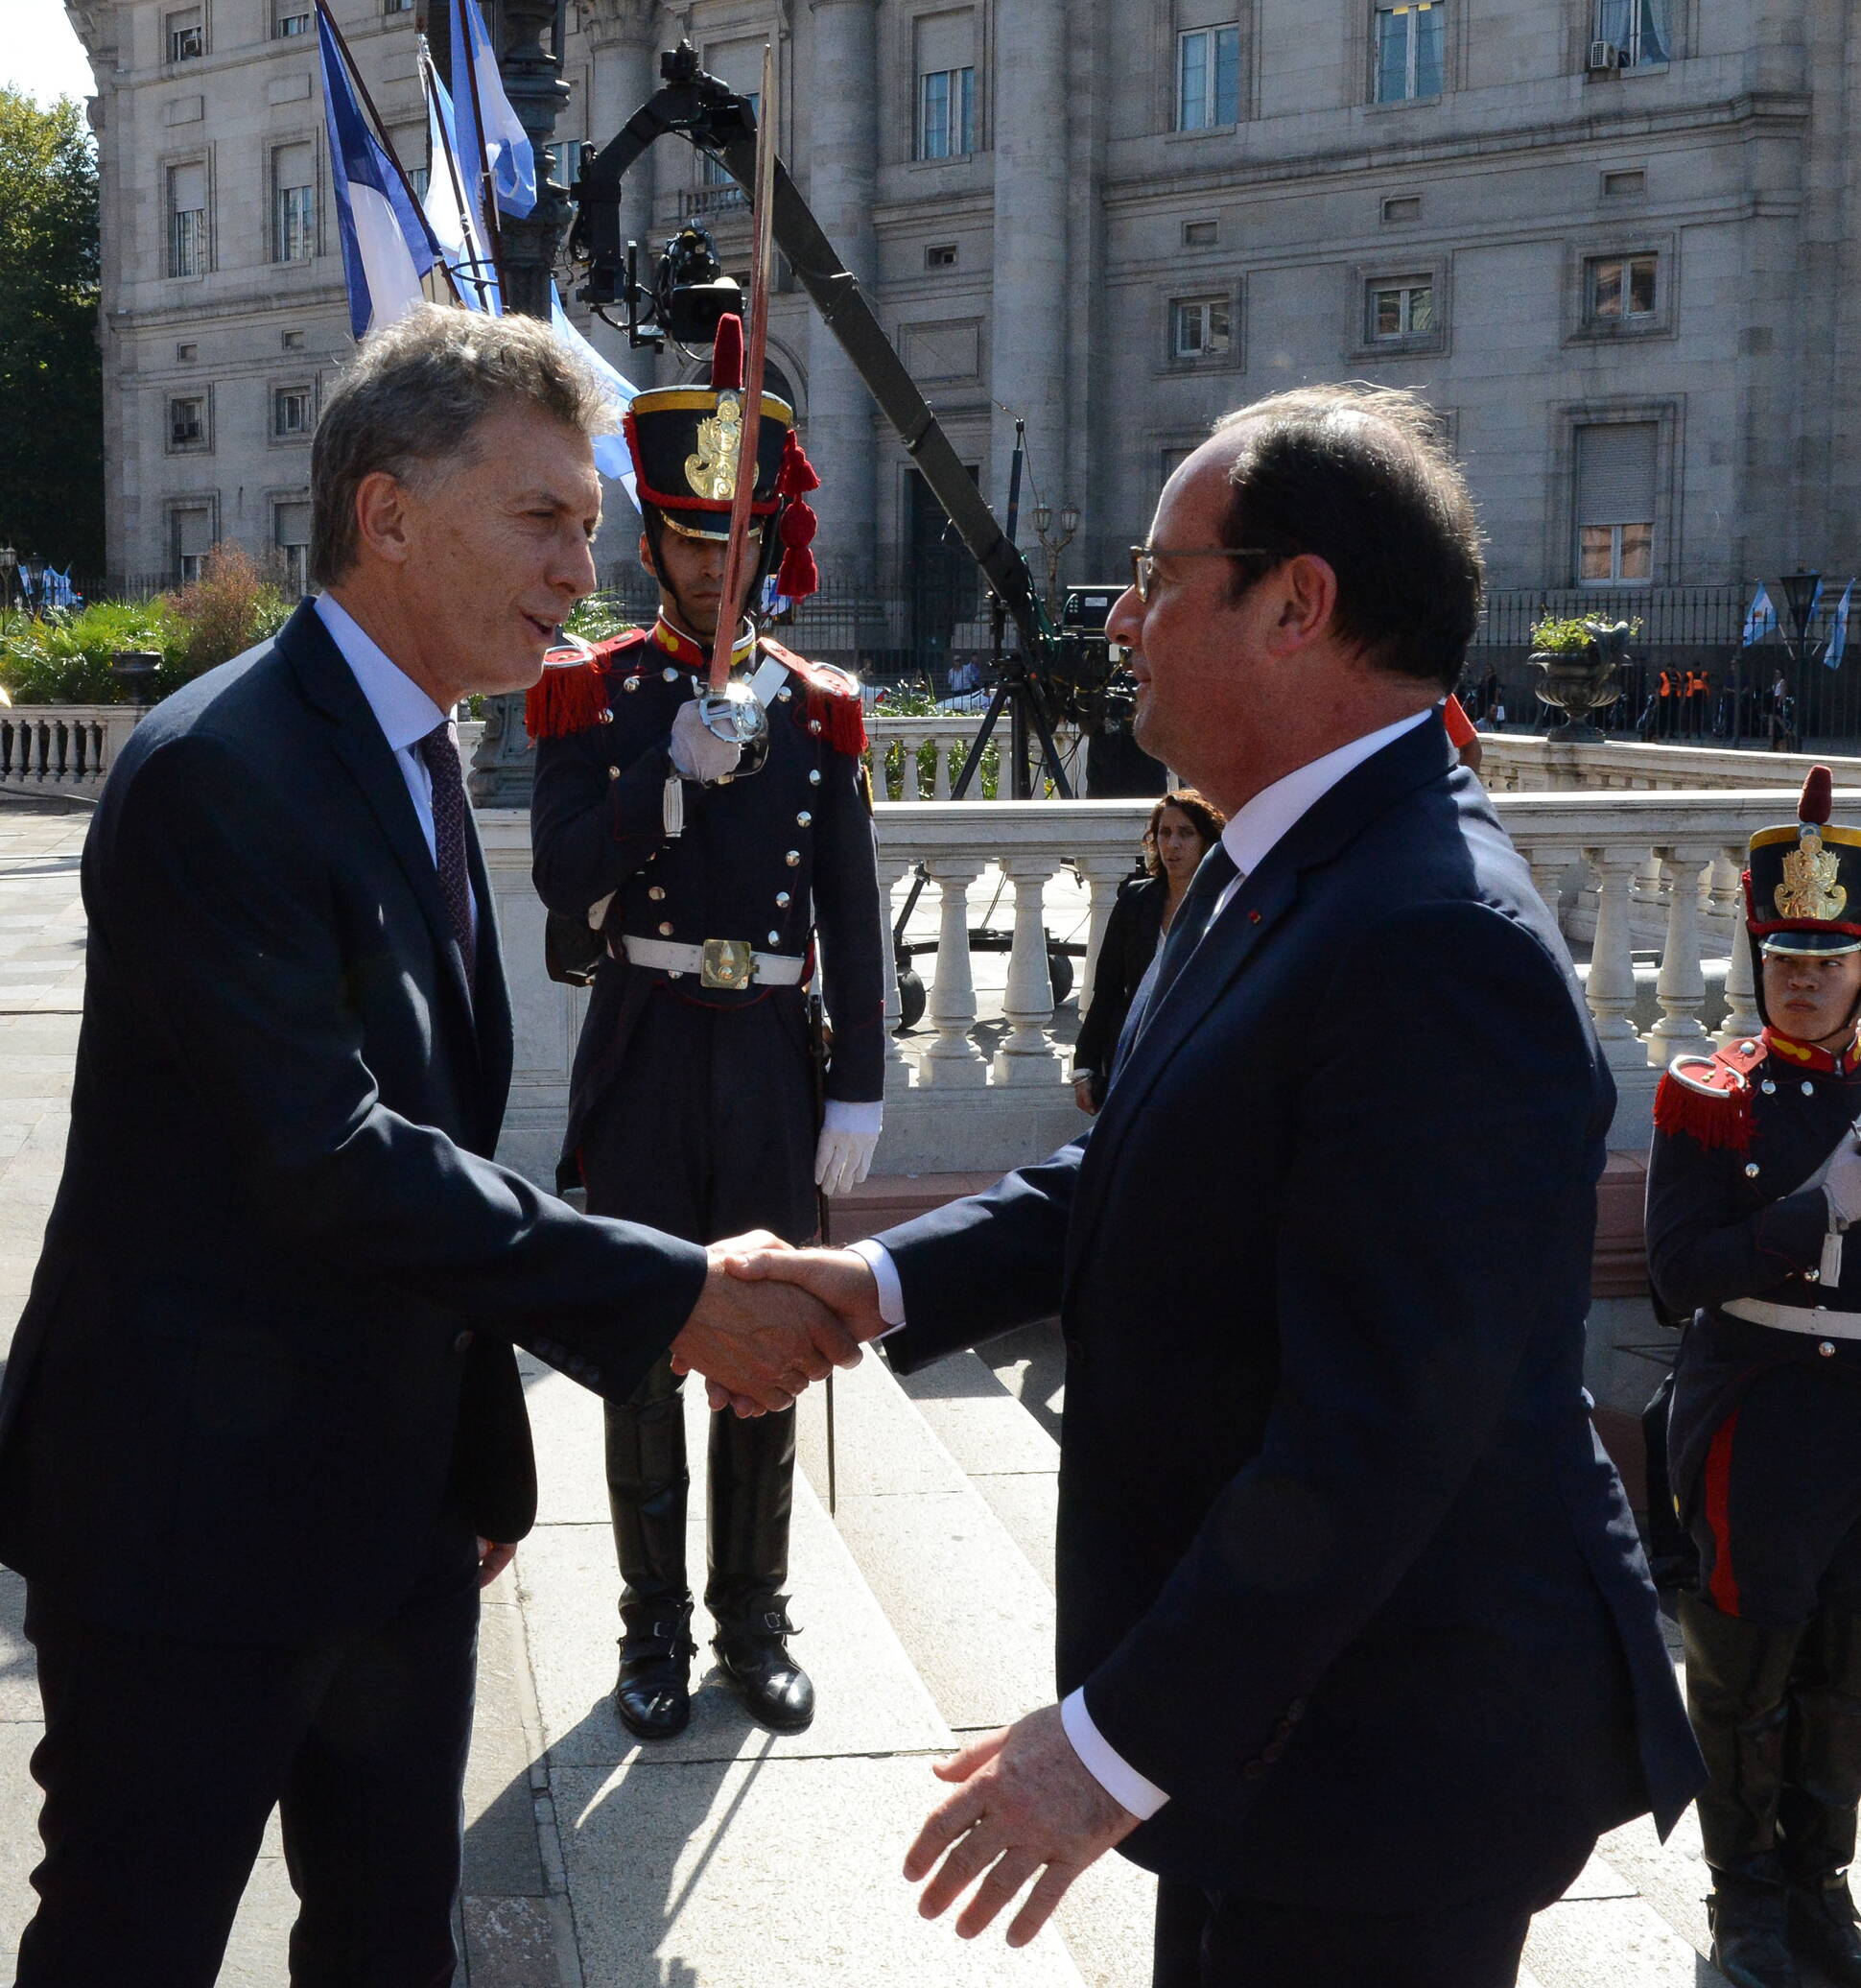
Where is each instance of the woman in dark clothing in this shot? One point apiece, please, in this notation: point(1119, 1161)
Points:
point(1181, 830)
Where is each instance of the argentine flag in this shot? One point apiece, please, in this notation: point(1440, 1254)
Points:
point(1838, 635)
point(453, 216)
point(386, 247)
point(1761, 620)
point(488, 129)
point(612, 456)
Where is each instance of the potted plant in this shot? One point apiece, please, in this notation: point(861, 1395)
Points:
point(1577, 662)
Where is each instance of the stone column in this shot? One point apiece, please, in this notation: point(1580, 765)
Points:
point(624, 40)
point(843, 88)
point(1027, 124)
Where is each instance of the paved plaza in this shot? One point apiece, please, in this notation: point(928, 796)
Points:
point(730, 1858)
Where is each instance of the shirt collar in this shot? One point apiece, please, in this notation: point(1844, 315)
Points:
point(1255, 827)
point(403, 710)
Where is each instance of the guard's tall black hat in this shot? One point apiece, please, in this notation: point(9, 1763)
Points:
point(1802, 884)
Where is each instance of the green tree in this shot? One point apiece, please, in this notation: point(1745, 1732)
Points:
point(50, 378)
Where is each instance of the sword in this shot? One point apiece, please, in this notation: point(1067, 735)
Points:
point(818, 1048)
point(722, 707)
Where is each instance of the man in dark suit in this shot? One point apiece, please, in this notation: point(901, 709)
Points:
point(262, 1433)
point(1356, 1645)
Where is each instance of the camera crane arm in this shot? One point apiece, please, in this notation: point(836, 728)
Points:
point(724, 124)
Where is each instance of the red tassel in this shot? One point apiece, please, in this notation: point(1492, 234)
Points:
point(799, 576)
point(797, 476)
point(1721, 1120)
point(727, 354)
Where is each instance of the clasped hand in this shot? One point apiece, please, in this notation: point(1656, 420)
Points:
point(757, 1348)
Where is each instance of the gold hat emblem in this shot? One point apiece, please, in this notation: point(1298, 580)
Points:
point(1809, 890)
point(711, 469)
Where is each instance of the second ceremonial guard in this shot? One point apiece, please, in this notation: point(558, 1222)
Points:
point(1754, 1194)
point(715, 884)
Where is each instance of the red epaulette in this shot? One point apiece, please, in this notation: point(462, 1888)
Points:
point(1710, 1098)
point(573, 697)
point(831, 704)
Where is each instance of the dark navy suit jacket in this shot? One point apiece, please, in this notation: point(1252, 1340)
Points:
point(1342, 1565)
point(268, 1342)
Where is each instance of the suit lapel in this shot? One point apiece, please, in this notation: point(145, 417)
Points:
point(356, 739)
point(1260, 902)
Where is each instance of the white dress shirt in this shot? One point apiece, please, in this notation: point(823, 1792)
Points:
point(1250, 836)
point(403, 710)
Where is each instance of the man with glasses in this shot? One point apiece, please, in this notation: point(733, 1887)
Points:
point(1357, 1649)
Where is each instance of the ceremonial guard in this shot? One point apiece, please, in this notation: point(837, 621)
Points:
point(720, 879)
point(1754, 1182)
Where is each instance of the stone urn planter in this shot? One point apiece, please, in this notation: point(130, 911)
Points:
point(1579, 674)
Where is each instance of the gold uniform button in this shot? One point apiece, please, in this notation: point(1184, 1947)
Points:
point(670, 675)
point(655, 892)
point(782, 900)
point(813, 776)
point(665, 932)
point(804, 819)
point(1751, 1170)
point(792, 859)
point(775, 939)
point(608, 718)
point(1826, 1349)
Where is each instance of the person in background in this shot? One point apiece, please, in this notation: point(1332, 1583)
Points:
point(1182, 829)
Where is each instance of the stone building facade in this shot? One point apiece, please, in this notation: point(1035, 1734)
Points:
point(1613, 241)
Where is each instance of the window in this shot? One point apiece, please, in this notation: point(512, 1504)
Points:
point(1624, 185)
point(1208, 77)
point(291, 18)
point(293, 341)
point(187, 219)
point(1199, 326)
point(397, 6)
point(1409, 51)
point(1400, 207)
point(185, 355)
point(940, 255)
point(1403, 308)
point(290, 412)
point(187, 423)
point(291, 535)
point(714, 172)
point(293, 203)
point(189, 538)
point(945, 67)
point(185, 35)
point(1201, 234)
point(1621, 290)
point(1635, 28)
point(1615, 491)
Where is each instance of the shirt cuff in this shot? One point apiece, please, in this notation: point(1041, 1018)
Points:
point(1119, 1780)
point(868, 1119)
point(885, 1274)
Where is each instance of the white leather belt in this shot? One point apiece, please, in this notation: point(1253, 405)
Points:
point(1797, 1318)
point(718, 963)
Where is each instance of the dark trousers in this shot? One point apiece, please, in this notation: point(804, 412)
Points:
point(162, 1761)
point(1221, 1940)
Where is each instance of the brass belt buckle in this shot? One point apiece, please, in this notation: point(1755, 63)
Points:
point(729, 962)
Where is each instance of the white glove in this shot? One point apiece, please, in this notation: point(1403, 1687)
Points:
point(848, 1140)
point(1842, 1183)
point(696, 751)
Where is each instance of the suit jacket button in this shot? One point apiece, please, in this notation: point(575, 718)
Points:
point(462, 1344)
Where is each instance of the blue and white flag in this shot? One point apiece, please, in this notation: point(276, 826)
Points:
point(386, 247)
point(489, 129)
point(1838, 635)
point(612, 456)
point(456, 221)
point(1761, 620)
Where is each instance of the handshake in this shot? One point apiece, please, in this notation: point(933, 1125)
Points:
point(771, 1318)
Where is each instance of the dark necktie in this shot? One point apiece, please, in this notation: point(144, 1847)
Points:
point(1216, 870)
point(440, 753)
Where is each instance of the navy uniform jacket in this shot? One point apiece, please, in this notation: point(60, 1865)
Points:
point(1341, 1564)
point(269, 1340)
point(773, 857)
point(1729, 1216)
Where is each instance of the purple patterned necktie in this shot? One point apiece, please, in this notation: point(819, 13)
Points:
point(440, 753)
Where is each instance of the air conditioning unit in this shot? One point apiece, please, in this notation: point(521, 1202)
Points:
point(1603, 56)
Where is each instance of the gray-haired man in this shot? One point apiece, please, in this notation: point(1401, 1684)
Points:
point(263, 1428)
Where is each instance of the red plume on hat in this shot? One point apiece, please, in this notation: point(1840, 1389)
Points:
point(728, 355)
point(1818, 798)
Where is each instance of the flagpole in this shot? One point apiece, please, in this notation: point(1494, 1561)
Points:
point(430, 77)
point(381, 132)
point(457, 17)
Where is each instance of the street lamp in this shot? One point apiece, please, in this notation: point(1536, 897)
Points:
point(1054, 547)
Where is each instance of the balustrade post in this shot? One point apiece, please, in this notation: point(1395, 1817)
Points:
point(1103, 874)
point(1610, 988)
point(1027, 1055)
point(940, 783)
point(898, 1066)
point(1742, 1020)
point(953, 1061)
point(1680, 988)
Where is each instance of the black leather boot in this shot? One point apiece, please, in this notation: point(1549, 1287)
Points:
point(1822, 1786)
point(1737, 1696)
point(647, 1485)
point(752, 1465)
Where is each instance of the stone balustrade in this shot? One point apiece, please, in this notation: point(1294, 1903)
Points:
point(1517, 763)
point(61, 748)
point(921, 758)
point(1646, 880)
